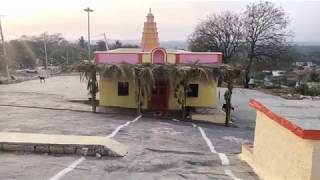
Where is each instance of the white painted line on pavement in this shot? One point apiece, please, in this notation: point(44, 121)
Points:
point(209, 143)
point(122, 126)
point(235, 140)
point(223, 157)
point(230, 174)
point(77, 162)
point(68, 169)
point(176, 120)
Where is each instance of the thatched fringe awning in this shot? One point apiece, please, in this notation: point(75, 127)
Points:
point(145, 75)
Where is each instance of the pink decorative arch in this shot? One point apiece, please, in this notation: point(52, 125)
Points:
point(159, 56)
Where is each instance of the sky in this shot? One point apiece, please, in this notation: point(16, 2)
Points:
point(123, 19)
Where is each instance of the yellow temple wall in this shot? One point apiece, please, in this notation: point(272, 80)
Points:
point(206, 97)
point(109, 96)
point(316, 161)
point(146, 58)
point(171, 58)
point(280, 154)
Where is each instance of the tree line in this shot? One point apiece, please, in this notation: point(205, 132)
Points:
point(28, 52)
point(256, 38)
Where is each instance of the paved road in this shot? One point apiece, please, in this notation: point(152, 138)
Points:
point(158, 148)
point(243, 115)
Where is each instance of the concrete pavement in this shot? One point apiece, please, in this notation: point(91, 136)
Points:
point(158, 148)
point(243, 115)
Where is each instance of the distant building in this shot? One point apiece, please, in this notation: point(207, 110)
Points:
point(121, 93)
point(305, 64)
point(278, 73)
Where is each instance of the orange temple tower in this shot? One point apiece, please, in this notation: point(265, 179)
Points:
point(150, 38)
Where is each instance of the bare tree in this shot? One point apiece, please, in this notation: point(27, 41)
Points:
point(220, 32)
point(265, 33)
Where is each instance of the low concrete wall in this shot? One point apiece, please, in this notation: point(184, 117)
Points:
point(279, 152)
point(56, 149)
point(61, 144)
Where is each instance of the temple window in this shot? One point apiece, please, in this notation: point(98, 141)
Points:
point(193, 90)
point(123, 88)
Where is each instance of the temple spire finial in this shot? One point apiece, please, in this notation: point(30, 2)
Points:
point(150, 38)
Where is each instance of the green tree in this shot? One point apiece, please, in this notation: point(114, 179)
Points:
point(28, 51)
point(118, 44)
point(100, 46)
point(265, 33)
point(82, 42)
point(314, 77)
point(219, 32)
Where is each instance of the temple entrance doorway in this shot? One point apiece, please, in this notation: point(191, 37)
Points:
point(159, 96)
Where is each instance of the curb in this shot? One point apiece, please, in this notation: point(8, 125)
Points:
point(87, 150)
point(61, 144)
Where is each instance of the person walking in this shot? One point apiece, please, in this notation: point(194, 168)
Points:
point(251, 82)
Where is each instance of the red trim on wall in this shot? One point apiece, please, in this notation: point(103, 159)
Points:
point(248, 146)
point(96, 59)
point(303, 133)
point(140, 58)
point(191, 52)
point(177, 58)
point(107, 52)
point(220, 59)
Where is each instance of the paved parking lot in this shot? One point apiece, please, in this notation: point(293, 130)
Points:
point(158, 148)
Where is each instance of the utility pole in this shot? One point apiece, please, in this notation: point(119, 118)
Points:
point(4, 51)
point(45, 50)
point(67, 55)
point(105, 41)
point(88, 10)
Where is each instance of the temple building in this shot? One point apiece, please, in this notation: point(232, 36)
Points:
point(121, 93)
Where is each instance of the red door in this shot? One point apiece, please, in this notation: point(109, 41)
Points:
point(159, 96)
